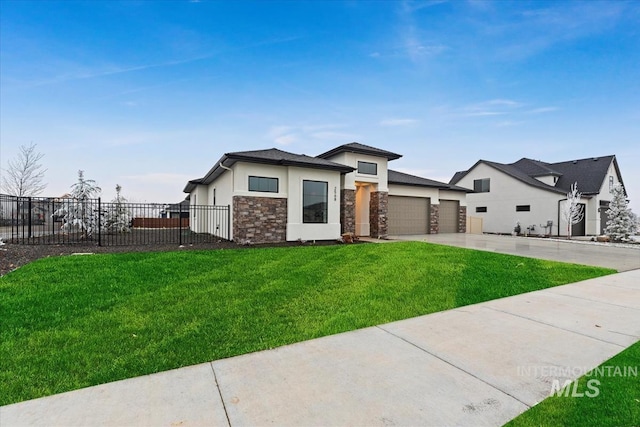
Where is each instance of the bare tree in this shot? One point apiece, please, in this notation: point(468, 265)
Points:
point(573, 211)
point(25, 175)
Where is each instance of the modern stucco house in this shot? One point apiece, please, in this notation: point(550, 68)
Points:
point(533, 193)
point(275, 196)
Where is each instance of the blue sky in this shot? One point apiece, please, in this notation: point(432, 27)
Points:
point(150, 94)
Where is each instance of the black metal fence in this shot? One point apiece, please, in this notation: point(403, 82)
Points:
point(52, 220)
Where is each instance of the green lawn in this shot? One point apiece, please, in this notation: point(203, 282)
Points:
point(617, 402)
point(76, 321)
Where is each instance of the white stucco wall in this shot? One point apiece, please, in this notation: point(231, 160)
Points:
point(242, 171)
point(593, 227)
point(296, 229)
point(414, 191)
point(352, 159)
point(501, 201)
point(199, 196)
point(547, 179)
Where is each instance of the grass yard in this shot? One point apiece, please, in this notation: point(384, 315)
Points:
point(76, 321)
point(617, 402)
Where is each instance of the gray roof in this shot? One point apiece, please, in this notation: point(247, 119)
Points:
point(356, 147)
point(176, 207)
point(401, 178)
point(589, 173)
point(272, 156)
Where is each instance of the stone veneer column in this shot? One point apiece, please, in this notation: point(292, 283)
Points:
point(462, 219)
point(378, 210)
point(259, 219)
point(347, 211)
point(434, 219)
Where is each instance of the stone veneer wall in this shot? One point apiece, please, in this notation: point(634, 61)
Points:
point(434, 219)
point(462, 219)
point(378, 212)
point(347, 211)
point(259, 219)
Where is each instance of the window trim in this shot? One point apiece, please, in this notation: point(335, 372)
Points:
point(481, 183)
point(363, 163)
point(523, 208)
point(326, 203)
point(265, 178)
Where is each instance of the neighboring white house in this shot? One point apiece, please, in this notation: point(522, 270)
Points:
point(275, 195)
point(533, 193)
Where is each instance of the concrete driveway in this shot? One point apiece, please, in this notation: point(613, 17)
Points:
point(579, 252)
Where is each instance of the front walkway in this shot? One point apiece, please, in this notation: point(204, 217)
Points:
point(579, 252)
point(476, 365)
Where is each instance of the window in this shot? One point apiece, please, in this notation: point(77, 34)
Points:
point(523, 208)
point(314, 202)
point(481, 185)
point(214, 197)
point(610, 182)
point(194, 206)
point(368, 168)
point(266, 185)
point(480, 209)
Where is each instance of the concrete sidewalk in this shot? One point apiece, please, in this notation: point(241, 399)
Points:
point(476, 365)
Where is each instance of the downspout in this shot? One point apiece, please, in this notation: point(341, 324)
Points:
point(561, 200)
point(229, 219)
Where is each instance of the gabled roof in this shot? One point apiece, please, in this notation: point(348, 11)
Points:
point(356, 147)
point(395, 177)
point(535, 167)
point(272, 156)
point(589, 173)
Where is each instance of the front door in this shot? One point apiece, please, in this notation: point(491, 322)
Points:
point(363, 196)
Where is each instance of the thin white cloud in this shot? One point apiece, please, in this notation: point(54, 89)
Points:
point(398, 122)
point(287, 134)
point(542, 110)
point(282, 135)
point(413, 41)
point(336, 136)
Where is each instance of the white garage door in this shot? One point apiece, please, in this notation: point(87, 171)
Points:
point(408, 215)
point(448, 216)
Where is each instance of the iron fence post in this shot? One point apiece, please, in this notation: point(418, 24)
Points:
point(179, 223)
point(99, 224)
point(29, 211)
point(228, 222)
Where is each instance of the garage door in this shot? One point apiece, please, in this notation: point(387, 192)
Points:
point(408, 215)
point(448, 216)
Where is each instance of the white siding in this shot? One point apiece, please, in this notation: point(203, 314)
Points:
point(501, 201)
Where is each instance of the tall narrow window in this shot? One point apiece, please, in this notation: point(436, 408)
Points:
point(265, 185)
point(610, 182)
point(314, 202)
point(368, 168)
point(214, 197)
point(481, 185)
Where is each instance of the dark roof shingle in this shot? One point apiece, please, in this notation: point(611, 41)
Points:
point(356, 147)
point(395, 177)
point(589, 173)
